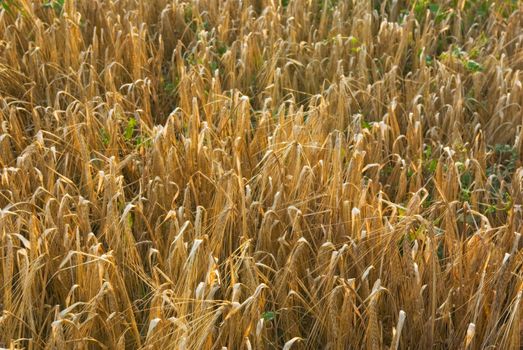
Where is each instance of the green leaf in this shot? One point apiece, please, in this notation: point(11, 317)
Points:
point(458, 52)
point(387, 170)
point(491, 209)
point(7, 8)
point(441, 251)
point(269, 315)
point(473, 66)
point(427, 152)
point(434, 8)
point(57, 5)
point(466, 179)
point(465, 195)
point(221, 48)
point(366, 125)
point(130, 220)
point(431, 167)
point(483, 9)
point(169, 87)
point(187, 13)
point(129, 129)
point(105, 137)
point(420, 9)
point(214, 66)
point(10, 6)
point(355, 43)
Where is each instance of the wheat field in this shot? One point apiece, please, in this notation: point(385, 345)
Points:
point(261, 174)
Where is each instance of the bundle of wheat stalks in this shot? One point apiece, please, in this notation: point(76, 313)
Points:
point(261, 174)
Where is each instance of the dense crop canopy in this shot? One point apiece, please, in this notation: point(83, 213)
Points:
point(261, 174)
